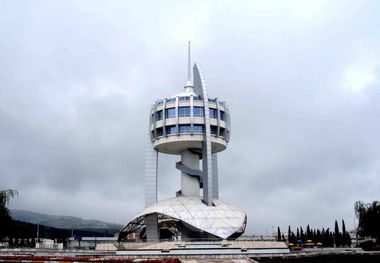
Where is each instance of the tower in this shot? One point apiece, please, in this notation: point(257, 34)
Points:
point(197, 128)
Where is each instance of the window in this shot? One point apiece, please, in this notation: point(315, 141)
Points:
point(198, 128)
point(160, 131)
point(184, 128)
point(198, 111)
point(222, 132)
point(159, 115)
point(183, 98)
point(222, 115)
point(170, 100)
point(184, 111)
point(171, 129)
point(197, 98)
point(170, 113)
point(214, 130)
point(213, 113)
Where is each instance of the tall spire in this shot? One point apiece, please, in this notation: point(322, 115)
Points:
point(189, 84)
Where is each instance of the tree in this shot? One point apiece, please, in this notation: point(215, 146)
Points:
point(278, 233)
point(5, 218)
point(302, 235)
point(336, 235)
point(317, 236)
point(308, 233)
point(344, 234)
point(5, 196)
point(368, 219)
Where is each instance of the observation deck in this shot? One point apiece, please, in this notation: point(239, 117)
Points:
point(178, 124)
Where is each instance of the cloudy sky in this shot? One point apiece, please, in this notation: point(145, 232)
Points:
point(301, 78)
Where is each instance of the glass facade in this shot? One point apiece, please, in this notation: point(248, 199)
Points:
point(214, 129)
point(170, 113)
point(171, 129)
point(184, 111)
point(198, 112)
point(198, 128)
point(222, 115)
point(160, 132)
point(213, 113)
point(184, 128)
point(170, 100)
point(222, 132)
point(159, 115)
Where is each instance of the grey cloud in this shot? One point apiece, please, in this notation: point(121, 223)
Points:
point(78, 78)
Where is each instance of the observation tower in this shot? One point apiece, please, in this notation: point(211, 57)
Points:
point(197, 128)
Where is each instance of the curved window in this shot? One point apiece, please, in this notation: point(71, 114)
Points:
point(170, 100)
point(198, 128)
point(183, 111)
point(198, 112)
point(213, 113)
point(159, 132)
point(222, 115)
point(214, 130)
point(171, 129)
point(222, 132)
point(184, 128)
point(170, 113)
point(183, 98)
point(159, 115)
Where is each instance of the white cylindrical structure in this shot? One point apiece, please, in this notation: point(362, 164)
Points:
point(190, 185)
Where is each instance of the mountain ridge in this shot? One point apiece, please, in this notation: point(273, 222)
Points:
point(64, 222)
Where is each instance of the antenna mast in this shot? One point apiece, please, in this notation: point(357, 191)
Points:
point(189, 84)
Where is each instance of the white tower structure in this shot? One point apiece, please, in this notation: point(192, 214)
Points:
point(195, 127)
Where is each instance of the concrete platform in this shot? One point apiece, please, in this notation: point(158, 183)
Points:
point(211, 249)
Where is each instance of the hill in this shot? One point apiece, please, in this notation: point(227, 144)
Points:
point(62, 222)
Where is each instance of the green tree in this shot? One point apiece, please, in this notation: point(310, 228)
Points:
point(302, 235)
point(5, 217)
point(337, 235)
point(278, 233)
point(344, 234)
point(308, 232)
point(368, 219)
point(5, 196)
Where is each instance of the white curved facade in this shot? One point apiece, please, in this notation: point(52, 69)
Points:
point(178, 123)
point(221, 220)
point(197, 128)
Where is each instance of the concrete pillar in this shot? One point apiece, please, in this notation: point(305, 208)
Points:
point(151, 223)
point(190, 185)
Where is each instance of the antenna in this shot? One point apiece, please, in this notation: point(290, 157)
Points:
point(189, 84)
point(188, 64)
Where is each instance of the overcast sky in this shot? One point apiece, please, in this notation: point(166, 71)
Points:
point(301, 78)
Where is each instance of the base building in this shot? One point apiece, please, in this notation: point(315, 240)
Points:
point(196, 127)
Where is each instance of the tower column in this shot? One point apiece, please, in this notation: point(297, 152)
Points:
point(190, 185)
